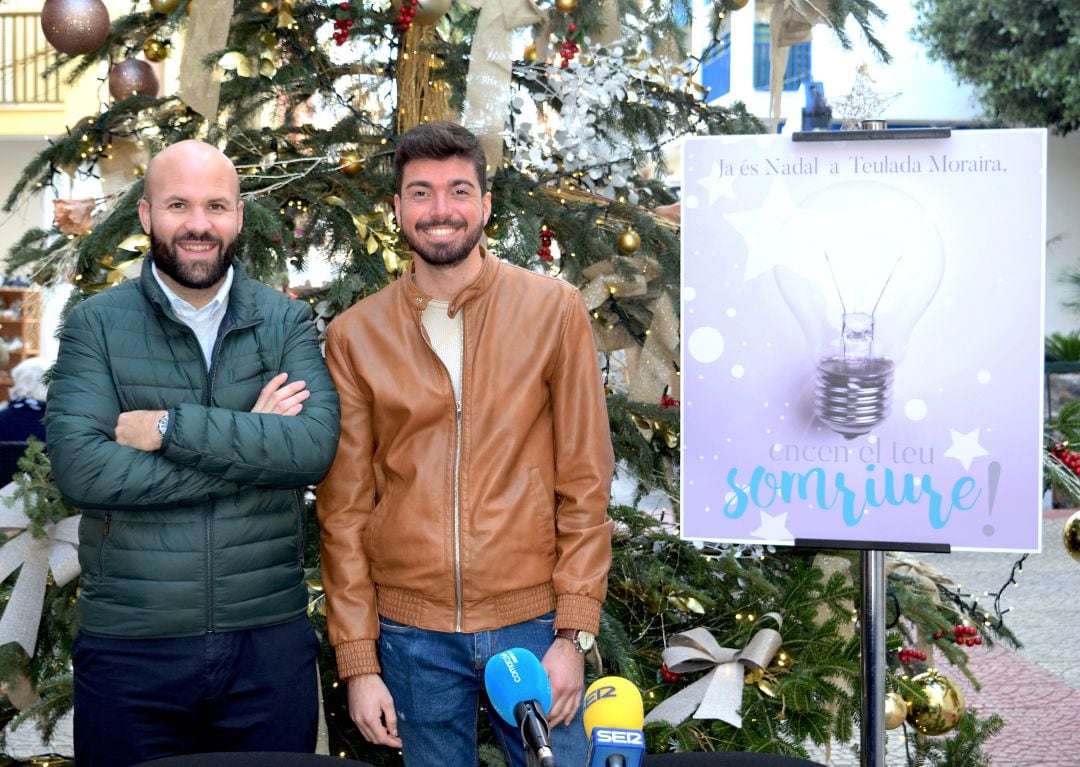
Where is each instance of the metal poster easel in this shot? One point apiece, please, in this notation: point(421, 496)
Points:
point(872, 554)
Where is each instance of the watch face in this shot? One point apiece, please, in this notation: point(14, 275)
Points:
point(585, 640)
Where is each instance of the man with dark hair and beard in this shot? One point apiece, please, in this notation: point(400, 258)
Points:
point(466, 510)
point(187, 412)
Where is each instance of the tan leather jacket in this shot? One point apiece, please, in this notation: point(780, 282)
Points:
point(470, 519)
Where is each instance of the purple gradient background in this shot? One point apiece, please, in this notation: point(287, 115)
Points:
point(974, 360)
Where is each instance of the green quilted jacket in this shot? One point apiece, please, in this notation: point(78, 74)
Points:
point(206, 534)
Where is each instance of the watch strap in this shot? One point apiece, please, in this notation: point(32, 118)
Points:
point(573, 635)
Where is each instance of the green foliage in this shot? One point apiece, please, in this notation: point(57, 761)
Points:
point(1021, 55)
point(1071, 279)
point(963, 748)
point(1063, 347)
point(48, 670)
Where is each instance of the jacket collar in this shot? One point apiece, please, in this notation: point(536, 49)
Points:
point(418, 300)
point(242, 309)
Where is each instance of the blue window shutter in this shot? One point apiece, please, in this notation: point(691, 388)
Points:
point(798, 65)
point(716, 69)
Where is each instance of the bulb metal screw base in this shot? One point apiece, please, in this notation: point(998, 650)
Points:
point(852, 397)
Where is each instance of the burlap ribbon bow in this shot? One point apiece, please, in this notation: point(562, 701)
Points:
point(652, 365)
point(208, 31)
point(718, 694)
point(487, 90)
point(56, 551)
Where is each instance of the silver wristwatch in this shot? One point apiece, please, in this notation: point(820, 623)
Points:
point(582, 640)
point(163, 424)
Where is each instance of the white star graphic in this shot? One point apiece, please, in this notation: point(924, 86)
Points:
point(965, 447)
point(718, 184)
point(758, 228)
point(773, 528)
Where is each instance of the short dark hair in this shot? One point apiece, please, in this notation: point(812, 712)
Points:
point(439, 141)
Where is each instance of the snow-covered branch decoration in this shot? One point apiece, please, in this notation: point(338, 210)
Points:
point(579, 140)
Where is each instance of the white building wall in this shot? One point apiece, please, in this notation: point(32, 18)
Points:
point(928, 94)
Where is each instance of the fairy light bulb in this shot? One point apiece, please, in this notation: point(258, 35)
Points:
point(857, 263)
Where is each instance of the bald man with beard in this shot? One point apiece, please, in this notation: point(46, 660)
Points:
point(188, 411)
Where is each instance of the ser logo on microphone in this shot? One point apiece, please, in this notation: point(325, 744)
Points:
point(606, 691)
point(619, 737)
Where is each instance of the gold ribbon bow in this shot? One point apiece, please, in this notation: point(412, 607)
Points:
point(652, 365)
point(56, 551)
point(487, 91)
point(718, 694)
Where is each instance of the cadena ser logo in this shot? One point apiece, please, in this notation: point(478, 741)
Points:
point(607, 691)
point(619, 737)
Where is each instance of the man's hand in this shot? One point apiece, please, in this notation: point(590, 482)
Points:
point(372, 709)
point(565, 667)
point(280, 398)
point(138, 429)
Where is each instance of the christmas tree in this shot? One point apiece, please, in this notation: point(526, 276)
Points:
point(578, 104)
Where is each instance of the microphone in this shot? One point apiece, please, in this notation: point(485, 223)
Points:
point(520, 691)
point(614, 716)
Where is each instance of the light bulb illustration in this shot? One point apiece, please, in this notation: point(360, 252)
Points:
point(857, 264)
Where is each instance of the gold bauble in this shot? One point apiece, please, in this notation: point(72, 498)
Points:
point(428, 12)
point(895, 710)
point(350, 163)
point(267, 7)
point(156, 50)
point(566, 6)
point(164, 6)
point(1071, 536)
point(628, 242)
point(75, 27)
point(530, 52)
point(739, 4)
point(940, 707)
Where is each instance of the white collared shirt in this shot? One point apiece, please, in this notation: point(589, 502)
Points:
point(204, 322)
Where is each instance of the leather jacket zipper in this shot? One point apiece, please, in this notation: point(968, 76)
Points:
point(458, 590)
point(457, 521)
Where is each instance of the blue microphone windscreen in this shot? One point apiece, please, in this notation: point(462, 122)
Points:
point(514, 676)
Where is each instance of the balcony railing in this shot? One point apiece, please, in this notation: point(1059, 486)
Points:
point(25, 54)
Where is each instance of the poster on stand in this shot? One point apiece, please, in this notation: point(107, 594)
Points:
point(862, 333)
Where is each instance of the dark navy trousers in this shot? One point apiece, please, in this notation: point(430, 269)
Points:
point(142, 699)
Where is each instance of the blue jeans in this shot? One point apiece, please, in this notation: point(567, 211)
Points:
point(142, 699)
point(437, 680)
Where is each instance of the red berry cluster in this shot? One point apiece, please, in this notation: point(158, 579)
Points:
point(342, 26)
point(907, 655)
point(668, 401)
point(569, 48)
point(669, 675)
point(544, 251)
point(405, 15)
point(965, 635)
point(1070, 458)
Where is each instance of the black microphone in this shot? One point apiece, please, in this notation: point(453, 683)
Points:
point(520, 691)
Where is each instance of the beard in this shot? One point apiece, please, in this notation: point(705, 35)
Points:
point(448, 254)
point(197, 276)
